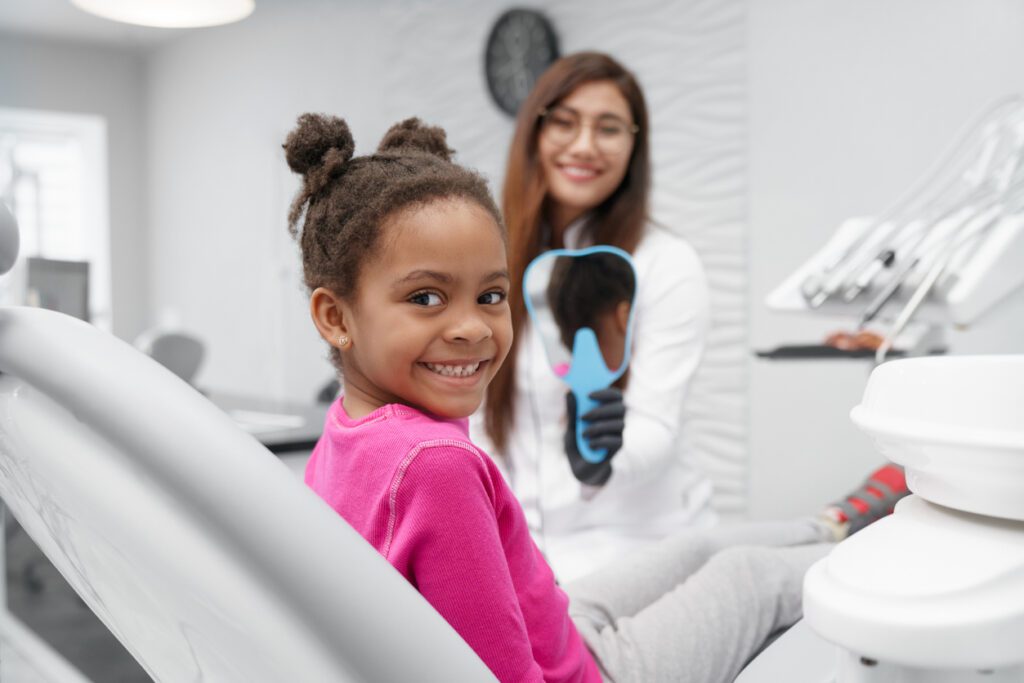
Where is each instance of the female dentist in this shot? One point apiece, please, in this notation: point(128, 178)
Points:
point(579, 174)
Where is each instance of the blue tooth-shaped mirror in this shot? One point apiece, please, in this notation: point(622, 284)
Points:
point(580, 303)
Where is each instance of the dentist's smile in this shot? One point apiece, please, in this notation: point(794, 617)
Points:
point(578, 173)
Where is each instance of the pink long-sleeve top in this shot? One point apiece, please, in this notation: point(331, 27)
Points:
point(439, 510)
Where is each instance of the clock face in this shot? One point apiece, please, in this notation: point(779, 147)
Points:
point(521, 46)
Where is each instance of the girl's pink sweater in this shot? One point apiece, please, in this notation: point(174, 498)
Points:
point(439, 510)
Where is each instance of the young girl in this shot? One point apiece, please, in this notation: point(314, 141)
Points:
point(404, 254)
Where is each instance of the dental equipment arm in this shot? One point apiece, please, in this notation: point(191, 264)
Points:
point(947, 256)
point(817, 287)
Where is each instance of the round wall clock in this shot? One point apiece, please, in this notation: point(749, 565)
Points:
point(521, 45)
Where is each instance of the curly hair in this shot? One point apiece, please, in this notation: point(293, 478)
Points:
point(346, 200)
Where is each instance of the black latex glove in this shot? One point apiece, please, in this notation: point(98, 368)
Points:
point(604, 431)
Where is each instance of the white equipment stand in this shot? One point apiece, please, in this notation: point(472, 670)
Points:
point(935, 592)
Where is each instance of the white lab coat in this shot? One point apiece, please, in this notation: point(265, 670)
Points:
point(654, 489)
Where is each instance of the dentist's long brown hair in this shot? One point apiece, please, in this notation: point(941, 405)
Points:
point(618, 221)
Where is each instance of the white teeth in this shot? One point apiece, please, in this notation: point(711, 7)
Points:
point(453, 370)
point(576, 170)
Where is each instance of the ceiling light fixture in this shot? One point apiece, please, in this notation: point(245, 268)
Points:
point(169, 13)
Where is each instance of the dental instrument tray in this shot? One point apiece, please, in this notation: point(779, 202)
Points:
point(982, 270)
point(820, 351)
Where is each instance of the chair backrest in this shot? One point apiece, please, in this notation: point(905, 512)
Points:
point(198, 549)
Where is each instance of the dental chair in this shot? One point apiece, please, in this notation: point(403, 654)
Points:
point(197, 548)
point(933, 593)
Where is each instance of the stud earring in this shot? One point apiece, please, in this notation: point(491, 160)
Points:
point(344, 341)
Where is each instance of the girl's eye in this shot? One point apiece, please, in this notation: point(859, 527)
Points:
point(492, 298)
point(426, 299)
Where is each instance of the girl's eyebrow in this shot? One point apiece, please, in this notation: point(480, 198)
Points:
point(425, 275)
point(444, 278)
point(498, 275)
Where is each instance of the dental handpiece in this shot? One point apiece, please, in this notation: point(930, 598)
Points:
point(814, 284)
point(955, 242)
point(884, 260)
point(896, 281)
point(908, 311)
point(865, 270)
point(817, 287)
point(839, 276)
point(887, 256)
point(916, 299)
point(887, 292)
point(893, 285)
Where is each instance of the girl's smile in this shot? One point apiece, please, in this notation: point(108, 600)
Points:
point(456, 369)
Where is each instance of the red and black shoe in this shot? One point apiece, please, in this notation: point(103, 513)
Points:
point(875, 499)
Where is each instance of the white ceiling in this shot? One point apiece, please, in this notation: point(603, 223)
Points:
point(61, 20)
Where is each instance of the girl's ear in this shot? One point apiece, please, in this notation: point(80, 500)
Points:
point(329, 314)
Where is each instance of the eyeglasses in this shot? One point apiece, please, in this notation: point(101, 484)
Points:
point(561, 126)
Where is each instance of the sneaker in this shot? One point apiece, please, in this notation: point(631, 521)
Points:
point(875, 499)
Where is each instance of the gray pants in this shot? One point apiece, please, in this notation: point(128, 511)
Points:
point(698, 605)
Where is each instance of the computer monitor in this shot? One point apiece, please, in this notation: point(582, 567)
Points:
point(59, 286)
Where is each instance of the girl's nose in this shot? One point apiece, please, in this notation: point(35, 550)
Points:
point(470, 328)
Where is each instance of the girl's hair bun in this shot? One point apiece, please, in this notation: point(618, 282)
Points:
point(313, 137)
point(414, 135)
